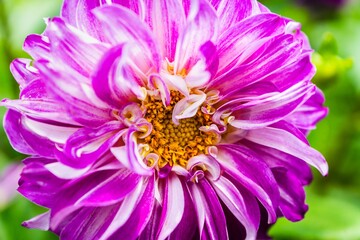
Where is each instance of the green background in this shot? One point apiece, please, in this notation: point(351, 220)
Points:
point(334, 201)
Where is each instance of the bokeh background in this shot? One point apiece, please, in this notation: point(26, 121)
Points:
point(333, 27)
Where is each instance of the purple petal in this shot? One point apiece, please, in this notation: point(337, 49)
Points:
point(114, 81)
point(262, 111)
point(231, 12)
point(205, 68)
point(121, 25)
point(23, 140)
point(245, 167)
point(129, 155)
point(202, 19)
point(79, 14)
point(235, 42)
point(211, 218)
point(284, 141)
point(73, 48)
point(38, 184)
point(292, 203)
point(36, 89)
point(187, 226)
point(125, 211)
point(78, 99)
point(273, 52)
point(39, 222)
point(45, 110)
point(172, 205)
point(86, 145)
point(278, 159)
point(23, 72)
point(233, 199)
point(70, 194)
point(310, 113)
point(167, 20)
point(140, 215)
point(37, 46)
point(88, 223)
point(103, 194)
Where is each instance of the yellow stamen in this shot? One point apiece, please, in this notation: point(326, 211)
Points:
point(176, 144)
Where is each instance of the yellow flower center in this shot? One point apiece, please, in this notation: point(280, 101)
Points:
point(176, 144)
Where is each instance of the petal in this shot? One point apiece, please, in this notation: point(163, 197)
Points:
point(310, 113)
point(286, 142)
point(231, 12)
point(188, 107)
point(263, 112)
point(202, 19)
point(167, 19)
point(40, 109)
point(212, 225)
point(55, 133)
point(206, 162)
point(79, 14)
point(129, 155)
point(277, 51)
point(69, 195)
point(86, 145)
point(88, 223)
point(140, 215)
point(103, 194)
point(114, 81)
point(23, 72)
point(205, 68)
point(246, 168)
point(39, 222)
point(233, 199)
point(125, 211)
point(187, 226)
point(292, 204)
point(277, 159)
point(172, 205)
point(234, 43)
point(37, 46)
point(121, 25)
point(38, 184)
point(73, 48)
point(23, 140)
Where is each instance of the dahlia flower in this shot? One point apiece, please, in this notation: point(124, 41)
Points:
point(165, 119)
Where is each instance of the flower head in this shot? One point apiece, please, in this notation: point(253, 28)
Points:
point(157, 119)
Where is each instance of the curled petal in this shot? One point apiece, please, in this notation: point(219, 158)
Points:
point(188, 107)
point(156, 82)
point(129, 155)
point(207, 163)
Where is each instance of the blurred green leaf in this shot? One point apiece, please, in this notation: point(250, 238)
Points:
point(12, 217)
point(330, 217)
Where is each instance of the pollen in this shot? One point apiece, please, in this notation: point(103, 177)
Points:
point(176, 144)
